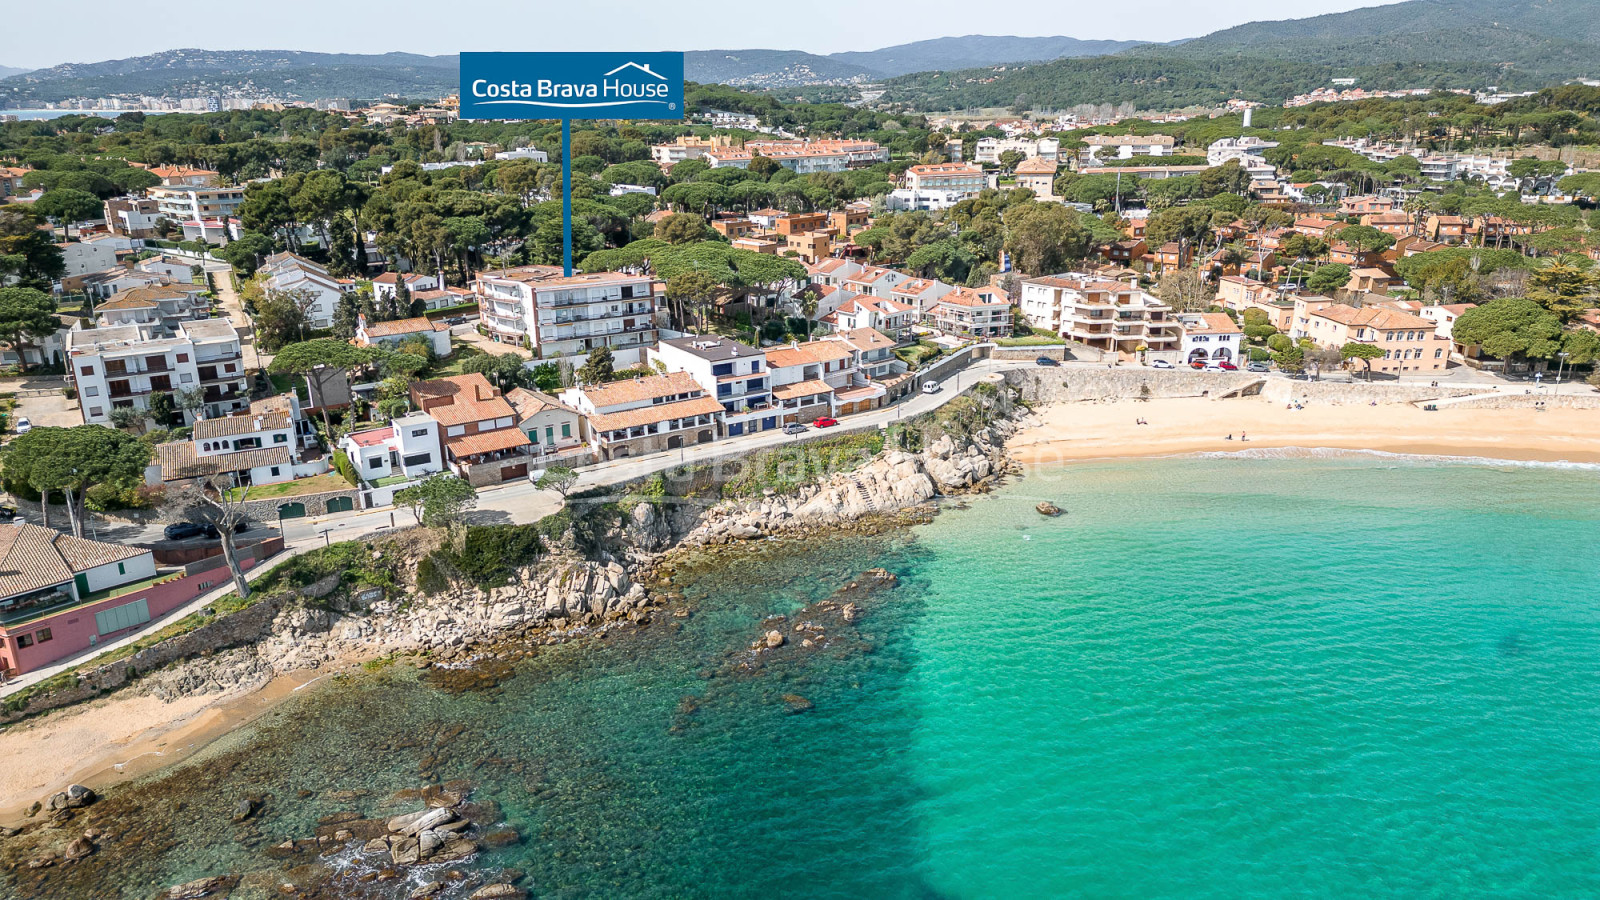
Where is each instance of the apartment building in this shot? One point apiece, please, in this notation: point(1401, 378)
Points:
point(1106, 315)
point(1124, 146)
point(190, 203)
point(1409, 343)
point(478, 435)
point(677, 151)
point(121, 366)
point(990, 149)
point(646, 415)
point(1239, 293)
point(536, 307)
point(801, 157)
point(385, 285)
point(735, 374)
point(961, 179)
point(1444, 316)
point(82, 257)
point(972, 314)
point(186, 176)
point(1209, 338)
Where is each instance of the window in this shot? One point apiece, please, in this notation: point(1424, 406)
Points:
point(566, 431)
point(183, 357)
point(275, 471)
point(1438, 353)
point(42, 635)
point(24, 640)
point(86, 370)
point(419, 432)
point(91, 391)
point(456, 430)
point(122, 569)
point(118, 618)
point(227, 367)
point(375, 463)
point(94, 411)
point(417, 459)
point(185, 377)
point(280, 439)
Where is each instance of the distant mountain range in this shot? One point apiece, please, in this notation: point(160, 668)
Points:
point(1419, 43)
point(8, 71)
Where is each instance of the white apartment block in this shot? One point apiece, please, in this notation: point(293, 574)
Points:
point(122, 365)
point(1106, 315)
point(989, 150)
point(1210, 338)
point(191, 203)
point(536, 307)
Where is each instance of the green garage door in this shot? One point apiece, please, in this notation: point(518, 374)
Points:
point(119, 617)
point(293, 510)
point(341, 504)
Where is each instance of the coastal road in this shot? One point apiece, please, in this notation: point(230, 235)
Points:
point(522, 503)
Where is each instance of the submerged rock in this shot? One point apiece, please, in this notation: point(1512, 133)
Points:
point(1046, 508)
point(797, 703)
point(217, 886)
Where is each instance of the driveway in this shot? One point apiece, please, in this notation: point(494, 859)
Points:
point(41, 401)
point(471, 336)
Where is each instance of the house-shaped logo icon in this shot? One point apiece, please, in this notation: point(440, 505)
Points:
point(640, 66)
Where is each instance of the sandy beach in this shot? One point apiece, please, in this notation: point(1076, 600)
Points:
point(1076, 431)
point(105, 741)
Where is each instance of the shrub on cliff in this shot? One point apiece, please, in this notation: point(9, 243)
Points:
point(486, 556)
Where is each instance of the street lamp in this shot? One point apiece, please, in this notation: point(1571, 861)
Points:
point(1562, 356)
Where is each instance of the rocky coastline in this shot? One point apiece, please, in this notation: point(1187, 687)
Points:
point(464, 634)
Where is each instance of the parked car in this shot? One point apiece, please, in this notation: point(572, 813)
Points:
point(1046, 361)
point(1161, 364)
point(183, 531)
point(1212, 367)
point(1258, 367)
point(1227, 366)
point(23, 425)
point(1197, 364)
point(931, 387)
point(824, 422)
point(7, 513)
point(794, 428)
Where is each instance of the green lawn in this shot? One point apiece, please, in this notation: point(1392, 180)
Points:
point(918, 353)
point(387, 480)
point(1030, 340)
point(316, 484)
point(450, 365)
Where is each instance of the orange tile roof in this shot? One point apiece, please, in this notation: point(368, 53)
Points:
point(645, 415)
point(486, 442)
point(636, 390)
point(1213, 323)
point(809, 352)
point(403, 326)
point(472, 399)
point(801, 389)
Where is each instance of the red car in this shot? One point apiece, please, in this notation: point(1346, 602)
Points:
point(824, 422)
point(1227, 367)
point(1197, 364)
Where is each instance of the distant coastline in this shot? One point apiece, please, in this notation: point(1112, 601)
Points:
point(30, 115)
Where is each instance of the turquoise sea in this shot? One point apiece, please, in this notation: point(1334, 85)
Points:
point(1240, 677)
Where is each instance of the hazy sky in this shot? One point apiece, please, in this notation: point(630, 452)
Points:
point(47, 34)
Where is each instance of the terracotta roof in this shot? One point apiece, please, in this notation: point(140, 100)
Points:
point(403, 326)
point(801, 389)
point(1212, 323)
point(372, 437)
point(486, 442)
point(206, 429)
point(83, 555)
point(178, 460)
point(636, 390)
point(1038, 165)
point(1375, 317)
point(644, 415)
point(969, 297)
point(122, 302)
point(809, 352)
point(530, 403)
point(472, 399)
point(29, 560)
point(864, 339)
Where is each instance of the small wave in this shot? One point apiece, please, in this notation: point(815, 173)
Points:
point(1341, 453)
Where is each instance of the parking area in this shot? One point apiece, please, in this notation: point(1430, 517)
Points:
point(40, 401)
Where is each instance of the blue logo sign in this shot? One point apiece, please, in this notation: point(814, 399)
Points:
point(572, 85)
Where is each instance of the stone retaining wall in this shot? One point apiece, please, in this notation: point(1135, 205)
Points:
point(1527, 401)
point(1357, 393)
point(266, 510)
point(1067, 385)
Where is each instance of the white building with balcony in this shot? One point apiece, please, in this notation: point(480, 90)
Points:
point(1109, 316)
point(735, 374)
point(395, 455)
point(121, 366)
point(1210, 338)
point(554, 316)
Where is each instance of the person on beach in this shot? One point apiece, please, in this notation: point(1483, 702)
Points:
point(1242, 438)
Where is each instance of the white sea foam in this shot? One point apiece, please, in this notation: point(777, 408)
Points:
point(1341, 453)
